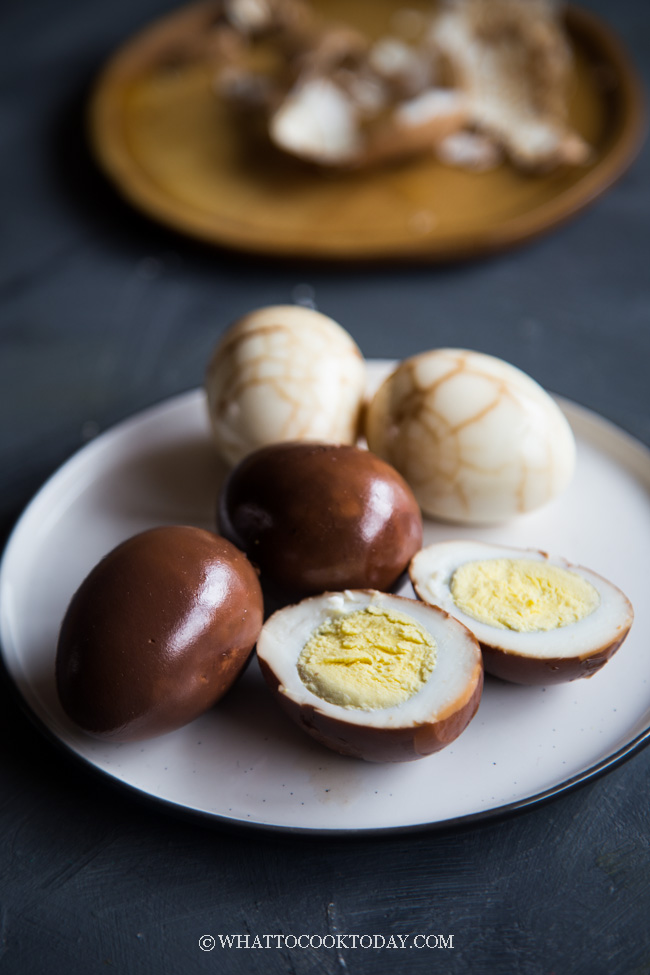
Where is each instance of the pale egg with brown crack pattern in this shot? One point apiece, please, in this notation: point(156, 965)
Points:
point(538, 618)
point(477, 439)
point(280, 373)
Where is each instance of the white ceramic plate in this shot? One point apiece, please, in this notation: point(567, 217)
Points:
point(244, 762)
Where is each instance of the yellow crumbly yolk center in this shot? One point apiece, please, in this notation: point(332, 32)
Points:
point(371, 659)
point(522, 594)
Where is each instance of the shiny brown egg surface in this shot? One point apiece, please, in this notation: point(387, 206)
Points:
point(157, 633)
point(316, 517)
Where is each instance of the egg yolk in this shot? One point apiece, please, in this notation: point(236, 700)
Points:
point(371, 659)
point(522, 594)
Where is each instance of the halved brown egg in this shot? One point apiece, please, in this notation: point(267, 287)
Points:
point(373, 675)
point(538, 618)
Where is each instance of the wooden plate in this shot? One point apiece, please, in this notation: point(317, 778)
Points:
point(174, 151)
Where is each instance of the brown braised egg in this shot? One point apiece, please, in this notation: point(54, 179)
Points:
point(317, 517)
point(373, 675)
point(157, 633)
point(538, 618)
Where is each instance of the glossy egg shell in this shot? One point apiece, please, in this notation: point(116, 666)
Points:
point(318, 517)
point(157, 633)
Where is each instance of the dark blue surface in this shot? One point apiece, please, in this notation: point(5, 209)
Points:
point(102, 313)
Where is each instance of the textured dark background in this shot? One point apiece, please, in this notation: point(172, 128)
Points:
point(101, 313)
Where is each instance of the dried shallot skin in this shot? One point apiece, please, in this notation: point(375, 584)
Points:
point(513, 61)
point(498, 70)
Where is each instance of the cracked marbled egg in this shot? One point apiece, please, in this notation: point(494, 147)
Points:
point(477, 439)
point(283, 373)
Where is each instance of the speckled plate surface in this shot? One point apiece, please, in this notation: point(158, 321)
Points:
point(244, 762)
point(175, 152)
